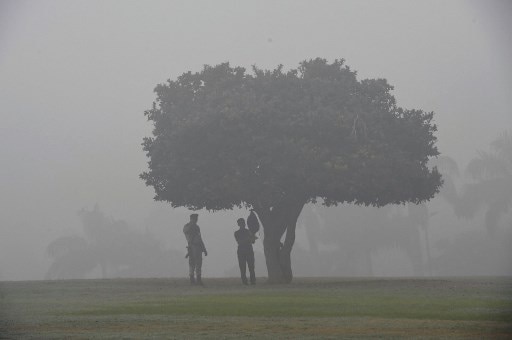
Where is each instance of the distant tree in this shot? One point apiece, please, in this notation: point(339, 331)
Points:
point(72, 257)
point(110, 245)
point(491, 189)
point(274, 141)
point(358, 233)
point(473, 252)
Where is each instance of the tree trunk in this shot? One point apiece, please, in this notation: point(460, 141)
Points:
point(272, 249)
point(276, 222)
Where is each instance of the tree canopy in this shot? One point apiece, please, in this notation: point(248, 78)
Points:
point(224, 137)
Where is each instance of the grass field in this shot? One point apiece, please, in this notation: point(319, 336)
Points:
point(224, 309)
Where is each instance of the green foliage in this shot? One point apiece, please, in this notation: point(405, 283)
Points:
point(223, 137)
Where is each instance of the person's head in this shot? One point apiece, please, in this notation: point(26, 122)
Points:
point(194, 217)
point(241, 222)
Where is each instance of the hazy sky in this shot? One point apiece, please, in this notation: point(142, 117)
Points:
point(76, 77)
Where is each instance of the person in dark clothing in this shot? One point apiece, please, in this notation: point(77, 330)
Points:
point(245, 240)
point(196, 248)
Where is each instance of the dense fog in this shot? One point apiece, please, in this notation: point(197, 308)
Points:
point(77, 76)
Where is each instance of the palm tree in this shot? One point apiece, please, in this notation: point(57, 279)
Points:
point(491, 189)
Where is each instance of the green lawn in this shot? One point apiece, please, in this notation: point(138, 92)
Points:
point(308, 308)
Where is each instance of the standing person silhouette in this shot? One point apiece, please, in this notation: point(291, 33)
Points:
point(245, 253)
point(195, 248)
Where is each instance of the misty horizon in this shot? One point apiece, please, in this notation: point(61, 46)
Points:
point(77, 76)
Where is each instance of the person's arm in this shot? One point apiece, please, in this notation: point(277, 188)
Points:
point(201, 242)
point(188, 235)
point(204, 248)
point(244, 239)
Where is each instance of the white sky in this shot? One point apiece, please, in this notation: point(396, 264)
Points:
point(76, 77)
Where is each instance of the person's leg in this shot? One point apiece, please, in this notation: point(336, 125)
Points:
point(191, 267)
point(199, 265)
point(241, 263)
point(250, 264)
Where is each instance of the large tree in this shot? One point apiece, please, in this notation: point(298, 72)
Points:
point(273, 141)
